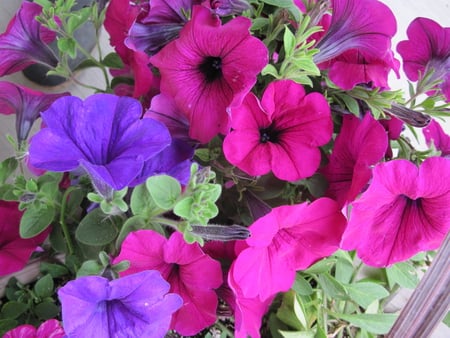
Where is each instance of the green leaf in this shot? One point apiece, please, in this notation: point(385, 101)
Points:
point(68, 46)
point(297, 334)
point(321, 266)
point(291, 313)
point(344, 270)
point(351, 104)
point(13, 309)
point(446, 319)
point(289, 41)
point(97, 229)
point(183, 207)
point(7, 167)
point(301, 286)
point(46, 310)
point(6, 325)
point(133, 224)
point(142, 203)
point(270, 70)
point(332, 287)
point(77, 19)
point(55, 270)
point(379, 323)
point(364, 293)
point(35, 220)
point(164, 190)
point(112, 60)
point(44, 287)
point(87, 63)
point(403, 274)
point(89, 268)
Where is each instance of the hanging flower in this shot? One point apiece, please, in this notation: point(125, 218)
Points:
point(404, 211)
point(359, 145)
point(138, 305)
point(434, 133)
point(282, 133)
point(103, 135)
point(48, 329)
point(428, 49)
point(15, 250)
point(26, 104)
point(210, 68)
point(25, 41)
point(191, 273)
point(287, 239)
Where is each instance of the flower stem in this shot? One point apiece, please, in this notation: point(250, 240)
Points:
point(62, 221)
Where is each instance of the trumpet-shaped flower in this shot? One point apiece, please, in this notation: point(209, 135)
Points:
point(25, 41)
point(359, 145)
point(14, 250)
point(282, 133)
point(26, 103)
point(137, 305)
point(48, 329)
point(287, 239)
point(103, 135)
point(428, 49)
point(404, 211)
point(191, 273)
point(434, 133)
point(210, 68)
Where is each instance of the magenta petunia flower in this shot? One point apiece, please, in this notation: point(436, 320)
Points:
point(25, 41)
point(103, 135)
point(282, 133)
point(49, 329)
point(428, 49)
point(287, 239)
point(190, 272)
point(210, 68)
point(14, 250)
point(137, 305)
point(359, 145)
point(404, 211)
point(26, 103)
point(434, 133)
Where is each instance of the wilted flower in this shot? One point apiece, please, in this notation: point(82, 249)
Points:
point(137, 305)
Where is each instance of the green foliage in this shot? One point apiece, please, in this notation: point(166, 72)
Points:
point(97, 228)
point(404, 274)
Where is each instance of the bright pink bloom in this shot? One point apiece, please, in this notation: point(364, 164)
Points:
point(428, 49)
point(434, 133)
point(48, 329)
point(404, 211)
point(191, 273)
point(14, 250)
point(359, 145)
point(209, 69)
point(25, 41)
point(26, 103)
point(282, 133)
point(287, 239)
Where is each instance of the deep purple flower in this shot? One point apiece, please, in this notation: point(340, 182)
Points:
point(428, 49)
point(365, 25)
point(103, 135)
point(137, 305)
point(25, 41)
point(26, 103)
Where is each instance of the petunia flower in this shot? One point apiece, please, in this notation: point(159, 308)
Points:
point(404, 211)
point(137, 305)
point(49, 329)
point(428, 49)
point(287, 239)
point(441, 140)
point(359, 145)
point(282, 133)
point(14, 250)
point(191, 273)
point(26, 104)
point(209, 69)
point(25, 41)
point(103, 135)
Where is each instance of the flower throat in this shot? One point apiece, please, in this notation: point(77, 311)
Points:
point(211, 68)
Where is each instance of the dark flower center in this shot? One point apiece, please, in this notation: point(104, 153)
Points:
point(269, 134)
point(211, 68)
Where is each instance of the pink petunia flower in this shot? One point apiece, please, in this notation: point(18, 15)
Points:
point(49, 329)
point(404, 211)
point(360, 144)
point(191, 273)
point(434, 133)
point(209, 69)
point(14, 250)
point(282, 133)
point(428, 49)
point(287, 239)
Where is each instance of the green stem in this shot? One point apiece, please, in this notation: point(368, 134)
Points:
point(62, 221)
point(223, 328)
point(169, 222)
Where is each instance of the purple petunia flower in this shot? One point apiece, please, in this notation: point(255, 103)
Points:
point(103, 135)
point(138, 305)
point(26, 103)
point(25, 41)
point(404, 211)
point(428, 48)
